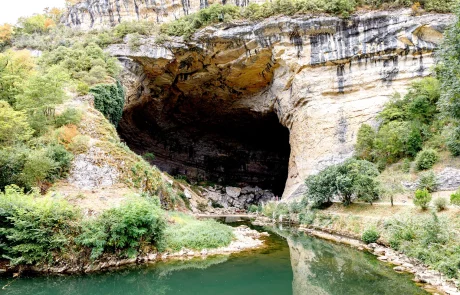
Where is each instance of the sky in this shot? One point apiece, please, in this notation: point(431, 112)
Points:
point(11, 10)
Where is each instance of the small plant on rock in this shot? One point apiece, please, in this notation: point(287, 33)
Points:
point(422, 198)
point(370, 235)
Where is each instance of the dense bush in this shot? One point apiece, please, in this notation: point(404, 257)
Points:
point(307, 217)
point(422, 198)
point(124, 230)
point(68, 116)
point(33, 230)
point(109, 99)
point(429, 239)
point(407, 124)
point(428, 181)
point(188, 232)
point(370, 235)
point(14, 127)
point(353, 178)
point(426, 159)
point(440, 203)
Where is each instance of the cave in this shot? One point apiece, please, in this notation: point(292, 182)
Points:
point(210, 142)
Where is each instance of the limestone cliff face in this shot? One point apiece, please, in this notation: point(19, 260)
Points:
point(103, 13)
point(321, 76)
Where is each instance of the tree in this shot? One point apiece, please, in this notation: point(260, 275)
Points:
point(42, 92)
point(15, 68)
point(365, 142)
point(353, 178)
point(448, 70)
point(6, 32)
point(13, 125)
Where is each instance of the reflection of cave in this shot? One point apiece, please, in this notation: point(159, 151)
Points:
point(210, 141)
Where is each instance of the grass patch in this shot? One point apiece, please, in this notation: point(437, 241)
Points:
point(188, 232)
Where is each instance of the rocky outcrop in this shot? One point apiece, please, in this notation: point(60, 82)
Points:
point(88, 14)
point(206, 107)
point(447, 179)
point(239, 198)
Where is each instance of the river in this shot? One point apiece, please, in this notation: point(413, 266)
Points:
point(293, 263)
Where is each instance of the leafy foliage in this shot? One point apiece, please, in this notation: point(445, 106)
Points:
point(14, 127)
point(33, 230)
point(370, 235)
point(426, 159)
point(422, 198)
point(428, 238)
point(353, 178)
point(428, 181)
point(406, 124)
point(124, 230)
point(109, 99)
point(15, 68)
point(455, 198)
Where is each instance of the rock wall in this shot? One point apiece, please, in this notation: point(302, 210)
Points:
point(88, 14)
point(322, 76)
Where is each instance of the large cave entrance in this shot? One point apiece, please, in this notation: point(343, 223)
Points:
point(210, 142)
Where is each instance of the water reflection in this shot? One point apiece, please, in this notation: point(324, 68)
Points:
point(321, 267)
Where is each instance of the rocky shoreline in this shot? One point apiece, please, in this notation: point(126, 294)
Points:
point(245, 239)
point(430, 280)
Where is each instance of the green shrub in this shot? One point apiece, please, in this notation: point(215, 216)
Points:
point(281, 209)
point(428, 181)
point(307, 217)
point(125, 230)
point(268, 209)
point(109, 99)
point(38, 168)
point(133, 27)
point(69, 116)
point(405, 167)
point(188, 232)
point(148, 156)
point(426, 159)
point(440, 203)
point(33, 230)
point(455, 198)
point(370, 235)
point(428, 238)
point(253, 208)
point(422, 198)
point(79, 144)
point(62, 158)
point(296, 207)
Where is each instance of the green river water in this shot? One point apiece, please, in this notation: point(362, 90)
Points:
point(294, 263)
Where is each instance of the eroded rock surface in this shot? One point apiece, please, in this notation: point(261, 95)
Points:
point(104, 13)
point(205, 107)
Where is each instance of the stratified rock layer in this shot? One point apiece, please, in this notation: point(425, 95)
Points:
point(322, 76)
point(106, 13)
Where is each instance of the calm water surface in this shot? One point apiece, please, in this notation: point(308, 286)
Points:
point(293, 264)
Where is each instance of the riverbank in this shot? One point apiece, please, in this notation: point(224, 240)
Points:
point(244, 239)
point(431, 280)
